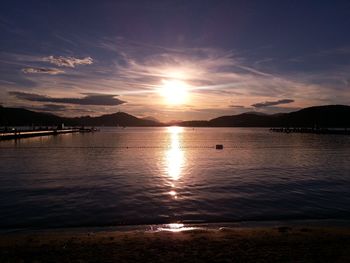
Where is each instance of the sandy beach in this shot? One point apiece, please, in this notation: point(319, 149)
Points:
point(268, 244)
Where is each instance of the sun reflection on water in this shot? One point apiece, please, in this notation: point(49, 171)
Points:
point(176, 227)
point(174, 158)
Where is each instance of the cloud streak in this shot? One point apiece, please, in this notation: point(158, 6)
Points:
point(88, 99)
point(237, 106)
point(69, 62)
point(49, 107)
point(272, 103)
point(49, 71)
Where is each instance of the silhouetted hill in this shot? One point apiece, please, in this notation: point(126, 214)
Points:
point(150, 118)
point(243, 120)
point(115, 119)
point(320, 116)
point(23, 117)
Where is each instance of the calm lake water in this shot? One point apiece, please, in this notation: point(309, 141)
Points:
point(163, 175)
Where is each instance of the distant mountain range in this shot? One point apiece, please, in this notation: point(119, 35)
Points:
point(23, 117)
point(320, 116)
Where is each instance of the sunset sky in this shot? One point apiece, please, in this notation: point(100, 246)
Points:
point(174, 60)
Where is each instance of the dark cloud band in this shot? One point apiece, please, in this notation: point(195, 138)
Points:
point(272, 103)
point(89, 99)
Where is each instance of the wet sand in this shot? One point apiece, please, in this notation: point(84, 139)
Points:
point(269, 244)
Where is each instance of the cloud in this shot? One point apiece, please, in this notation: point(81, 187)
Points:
point(237, 106)
point(48, 107)
point(272, 103)
point(65, 111)
point(50, 71)
point(53, 107)
point(69, 62)
point(89, 99)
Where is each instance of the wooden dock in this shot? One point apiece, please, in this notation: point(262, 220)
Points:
point(27, 134)
point(344, 131)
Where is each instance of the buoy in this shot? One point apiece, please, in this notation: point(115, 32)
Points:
point(219, 147)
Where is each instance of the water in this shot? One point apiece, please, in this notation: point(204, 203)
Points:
point(164, 175)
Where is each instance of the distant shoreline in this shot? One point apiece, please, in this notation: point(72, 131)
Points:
point(327, 116)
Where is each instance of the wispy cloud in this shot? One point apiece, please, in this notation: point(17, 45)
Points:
point(50, 71)
point(136, 72)
point(272, 103)
point(222, 75)
point(88, 99)
point(69, 62)
point(237, 106)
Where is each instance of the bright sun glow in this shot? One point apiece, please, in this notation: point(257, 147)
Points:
point(174, 91)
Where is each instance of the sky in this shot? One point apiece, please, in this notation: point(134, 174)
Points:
point(173, 60)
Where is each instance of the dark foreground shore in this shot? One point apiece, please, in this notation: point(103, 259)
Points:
point(282, 244)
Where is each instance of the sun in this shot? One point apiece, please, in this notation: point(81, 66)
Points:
point(174, 91)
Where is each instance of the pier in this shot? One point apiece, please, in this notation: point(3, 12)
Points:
point(18, 134)
point(342, 131)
